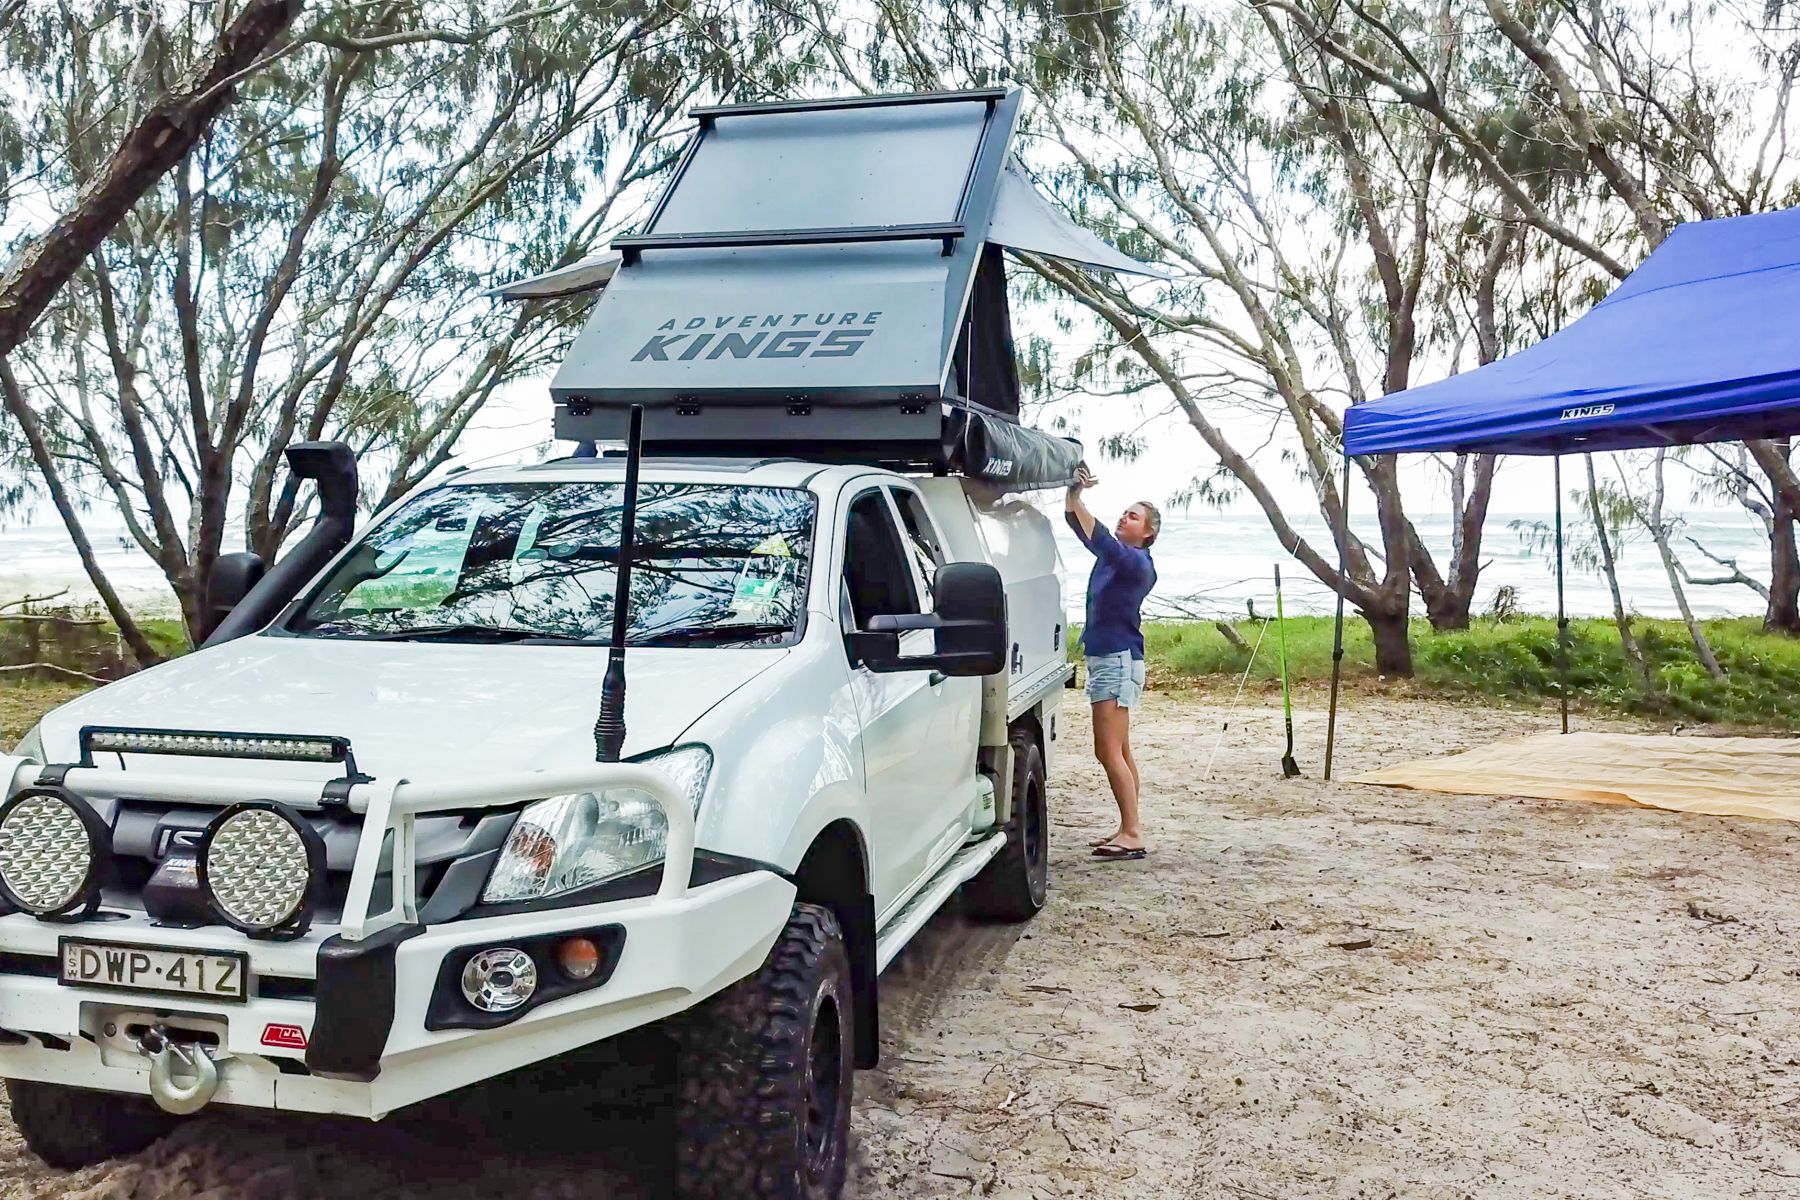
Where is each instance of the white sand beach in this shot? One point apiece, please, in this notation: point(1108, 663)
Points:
point(1305, 991)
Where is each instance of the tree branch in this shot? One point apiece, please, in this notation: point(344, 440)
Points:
point(160, 139)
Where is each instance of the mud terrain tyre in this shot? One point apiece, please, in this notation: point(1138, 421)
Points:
point(1013, 886)
point(764, 1075)
point(72, 1128)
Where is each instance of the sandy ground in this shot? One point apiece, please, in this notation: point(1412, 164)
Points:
point(1305, 991)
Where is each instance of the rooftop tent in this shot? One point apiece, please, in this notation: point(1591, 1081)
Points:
point(825, 278)
point(1697, 345)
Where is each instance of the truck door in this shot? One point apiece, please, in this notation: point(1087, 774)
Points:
point(896, 709)
point(955, 734)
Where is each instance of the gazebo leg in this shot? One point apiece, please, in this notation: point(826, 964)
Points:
point(1562, 617)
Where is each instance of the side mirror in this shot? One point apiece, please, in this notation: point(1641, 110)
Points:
point(969, 624)
point(232, 578)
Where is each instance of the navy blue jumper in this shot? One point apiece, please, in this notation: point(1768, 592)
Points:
point(1122, 576)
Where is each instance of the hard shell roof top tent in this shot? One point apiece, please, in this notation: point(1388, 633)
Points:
point(823, 278)
point(1696, 345)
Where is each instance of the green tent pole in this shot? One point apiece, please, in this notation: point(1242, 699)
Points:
point(1337, 631)
point(1289, 767)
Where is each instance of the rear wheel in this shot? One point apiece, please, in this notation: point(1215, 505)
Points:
point(1014, 885)
point(764, 1075)
point(72, 1128)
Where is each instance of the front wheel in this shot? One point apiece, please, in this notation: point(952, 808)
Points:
point(72, 1128)
point(1014, 885)
point(763, 1075)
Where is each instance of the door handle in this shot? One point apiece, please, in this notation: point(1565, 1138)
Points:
point(936, 678)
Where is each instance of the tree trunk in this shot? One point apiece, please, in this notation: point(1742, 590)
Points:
point(1783, 615)
point(1634, 657)
point(1448, 602)
point(194, 614)
point(1672, 566)
point(142, 651)
point(1449, 610)
point(160, 139)
point(1393, 645)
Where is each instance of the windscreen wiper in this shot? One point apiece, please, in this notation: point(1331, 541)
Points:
point(473, 632)
point(707, 633)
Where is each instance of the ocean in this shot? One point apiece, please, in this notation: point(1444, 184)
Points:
point(1221, 560)
point(1211, 564)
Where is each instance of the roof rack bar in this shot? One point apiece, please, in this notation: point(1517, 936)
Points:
point(708, 114)
point(631, 246)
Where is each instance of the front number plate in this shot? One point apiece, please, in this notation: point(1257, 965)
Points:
point(213, 975)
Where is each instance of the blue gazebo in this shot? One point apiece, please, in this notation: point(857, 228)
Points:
point(1700, 344)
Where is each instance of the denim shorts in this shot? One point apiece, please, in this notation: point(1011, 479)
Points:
point(1115, 677)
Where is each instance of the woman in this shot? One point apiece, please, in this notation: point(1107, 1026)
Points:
point(1113, 640)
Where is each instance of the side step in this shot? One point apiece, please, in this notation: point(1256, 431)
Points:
point(963, 866)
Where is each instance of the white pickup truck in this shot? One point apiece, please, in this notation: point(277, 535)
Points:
point(384, 836)
point(364, 855)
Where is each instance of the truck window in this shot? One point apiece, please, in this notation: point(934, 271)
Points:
point(921, 534)
point(715, 565)
point(877, 579)
point(420, 566)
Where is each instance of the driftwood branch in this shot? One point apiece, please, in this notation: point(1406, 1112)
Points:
point(55, 670)
point(1737, 574)
point(51, 618)
point(22, 601)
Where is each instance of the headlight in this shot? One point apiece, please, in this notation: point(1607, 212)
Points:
point(31, 745)
point(569, 842)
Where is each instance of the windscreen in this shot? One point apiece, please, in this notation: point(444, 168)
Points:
point(714, 564)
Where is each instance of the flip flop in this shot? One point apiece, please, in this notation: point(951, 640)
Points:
point(1117, 853)
point(1105, 841)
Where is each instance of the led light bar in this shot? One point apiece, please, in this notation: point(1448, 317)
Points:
point(284, 747)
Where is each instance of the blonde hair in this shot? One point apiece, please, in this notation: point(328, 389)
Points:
point(1152, 518)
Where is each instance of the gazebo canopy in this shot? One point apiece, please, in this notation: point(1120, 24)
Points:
point(1699, 344)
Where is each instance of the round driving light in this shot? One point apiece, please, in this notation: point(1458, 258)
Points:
point(499, 980)
point(260, 866)
point(52, 846)
point(578, 958)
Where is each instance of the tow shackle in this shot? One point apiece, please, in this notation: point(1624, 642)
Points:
point(185, 1096)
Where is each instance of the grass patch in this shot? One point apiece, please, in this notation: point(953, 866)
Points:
point(1515, 660)
point(68, 640)
point(23, 701)
point(84, 644)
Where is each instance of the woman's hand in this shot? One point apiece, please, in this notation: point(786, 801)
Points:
point(1075, 507)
